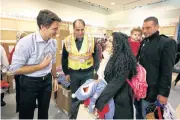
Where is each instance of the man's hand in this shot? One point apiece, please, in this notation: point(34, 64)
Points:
point(163, 100)
point(97, 81)
point(67, 77)
point(55, 85)
point(46, 61)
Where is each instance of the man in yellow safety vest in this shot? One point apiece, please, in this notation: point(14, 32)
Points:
point(80, 58)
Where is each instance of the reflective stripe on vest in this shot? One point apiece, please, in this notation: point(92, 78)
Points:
point(83, 58)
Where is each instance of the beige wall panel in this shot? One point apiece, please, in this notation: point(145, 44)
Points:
point(23, 25)
point(168, 30)
point(8, 23)
point(8, 35)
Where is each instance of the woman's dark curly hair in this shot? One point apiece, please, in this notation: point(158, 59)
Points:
point(122, 62)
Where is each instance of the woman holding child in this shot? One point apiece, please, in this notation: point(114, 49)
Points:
point(121, 65)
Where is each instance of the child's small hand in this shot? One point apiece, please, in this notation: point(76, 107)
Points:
point(95, 113)
point(97, 81)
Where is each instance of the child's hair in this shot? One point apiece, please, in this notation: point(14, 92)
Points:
point(138, 29)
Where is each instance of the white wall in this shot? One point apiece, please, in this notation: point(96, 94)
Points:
point(166, 12)
point(65, 12)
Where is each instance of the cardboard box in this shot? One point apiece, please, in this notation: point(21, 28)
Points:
point(63, 100)
point(59, 98)
point(67, 101)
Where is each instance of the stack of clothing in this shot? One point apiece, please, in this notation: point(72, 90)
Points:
point(61, 78)
point(4, 84)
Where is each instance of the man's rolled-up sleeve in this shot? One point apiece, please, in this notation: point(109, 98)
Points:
point(20, 57)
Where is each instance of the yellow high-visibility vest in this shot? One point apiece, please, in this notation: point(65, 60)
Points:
point(83, 58)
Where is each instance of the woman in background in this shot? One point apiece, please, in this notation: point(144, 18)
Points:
point(4, 66)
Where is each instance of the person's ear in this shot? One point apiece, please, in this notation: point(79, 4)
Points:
point(157, 27)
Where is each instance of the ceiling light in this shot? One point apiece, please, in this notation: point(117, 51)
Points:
point(112, 3)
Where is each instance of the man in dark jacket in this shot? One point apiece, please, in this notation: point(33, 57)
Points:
point(157, 56)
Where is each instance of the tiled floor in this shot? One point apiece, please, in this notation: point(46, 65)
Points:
point(8, 111)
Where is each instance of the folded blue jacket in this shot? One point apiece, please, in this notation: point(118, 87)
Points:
point(62, 80)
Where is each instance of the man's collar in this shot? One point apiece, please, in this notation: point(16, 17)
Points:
point(156, 34)
point(78, 39)
point(39, 37)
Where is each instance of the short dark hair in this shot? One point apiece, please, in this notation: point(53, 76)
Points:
point(78, 20)
point(152, 18)
point(46, 18)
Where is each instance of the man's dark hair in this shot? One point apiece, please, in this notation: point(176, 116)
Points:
point(46, 18)
point(154, 19)
point(78, 20)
